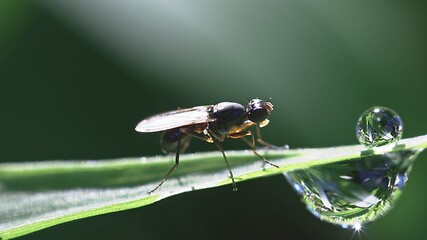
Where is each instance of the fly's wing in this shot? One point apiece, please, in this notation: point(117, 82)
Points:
point(175, 119)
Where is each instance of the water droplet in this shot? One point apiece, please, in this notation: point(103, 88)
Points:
point(379, 126)
point(354, 192)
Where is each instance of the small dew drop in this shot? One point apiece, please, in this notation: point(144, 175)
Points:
point(354, 192)
point(379, 126)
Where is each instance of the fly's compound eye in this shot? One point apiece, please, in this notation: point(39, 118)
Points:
point(258, 110)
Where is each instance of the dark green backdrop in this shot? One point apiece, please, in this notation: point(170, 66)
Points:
point(75, 78)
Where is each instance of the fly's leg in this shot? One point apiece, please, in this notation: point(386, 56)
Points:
point(210, 139)
point(239, 131)
point(174, 139)
point(261, 141)
point(267, 144)
point(252, 145)
point(226, 163)
point(204, 137)
point(201, 136)
point(170, 171)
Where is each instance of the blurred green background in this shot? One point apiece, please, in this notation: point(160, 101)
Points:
point(76, 76)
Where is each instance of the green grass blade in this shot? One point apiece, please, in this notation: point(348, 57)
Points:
point(37, 195)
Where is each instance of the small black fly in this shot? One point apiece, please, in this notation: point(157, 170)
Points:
point(211, 123)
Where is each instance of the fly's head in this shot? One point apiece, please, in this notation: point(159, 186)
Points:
point(258, 111)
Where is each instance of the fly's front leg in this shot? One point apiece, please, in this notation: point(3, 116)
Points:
point(261, 141)
point(264, 143)
point(252, 145)
point(240, 131)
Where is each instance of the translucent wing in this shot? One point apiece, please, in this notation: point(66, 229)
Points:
point(174, 119)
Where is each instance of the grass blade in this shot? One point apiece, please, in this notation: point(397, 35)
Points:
point(37, 195)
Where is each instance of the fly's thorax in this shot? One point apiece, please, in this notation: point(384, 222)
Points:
point(227, 115)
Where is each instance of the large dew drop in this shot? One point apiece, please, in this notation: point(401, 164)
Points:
point(379, 126)
point(353, 192)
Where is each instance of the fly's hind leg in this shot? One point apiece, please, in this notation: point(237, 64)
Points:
point(178, 147)
point(173, 140)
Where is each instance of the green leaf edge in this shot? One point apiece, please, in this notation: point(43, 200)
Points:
point(303, 158)
point(33, 227)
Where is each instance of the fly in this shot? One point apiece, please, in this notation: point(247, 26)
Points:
point(212, 124)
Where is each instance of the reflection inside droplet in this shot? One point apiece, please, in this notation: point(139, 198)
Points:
point(379, 126)
point(354, 192)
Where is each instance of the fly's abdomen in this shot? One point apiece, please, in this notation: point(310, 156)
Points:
point(170, 138)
